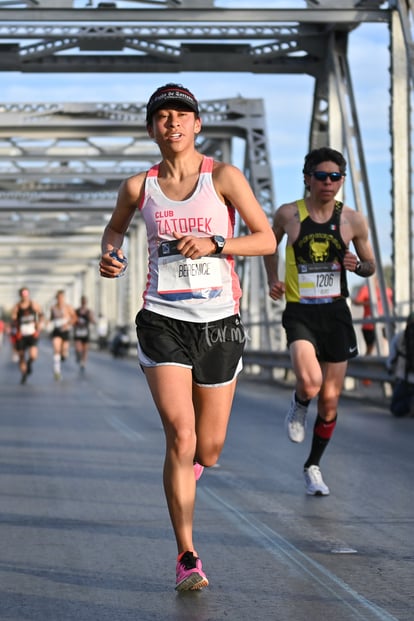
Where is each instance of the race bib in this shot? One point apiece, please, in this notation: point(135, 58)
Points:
point(59, 322)
point(319, 280)
point(180, 278)
point(81, 331)
point(27, 329)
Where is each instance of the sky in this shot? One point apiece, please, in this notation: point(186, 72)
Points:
point(288, 105)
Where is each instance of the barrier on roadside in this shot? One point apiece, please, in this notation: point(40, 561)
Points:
point(363, 367)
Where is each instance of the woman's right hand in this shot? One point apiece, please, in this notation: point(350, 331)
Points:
point(111, 265)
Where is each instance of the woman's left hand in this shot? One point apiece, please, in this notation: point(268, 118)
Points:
point(195, 247)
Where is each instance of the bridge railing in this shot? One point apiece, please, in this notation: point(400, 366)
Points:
point(363, 367)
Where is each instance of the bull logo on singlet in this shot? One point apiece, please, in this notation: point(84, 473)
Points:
point(319, 251)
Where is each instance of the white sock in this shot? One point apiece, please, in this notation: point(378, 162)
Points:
point(56, 363)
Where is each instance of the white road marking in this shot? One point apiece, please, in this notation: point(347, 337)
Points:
point(278, 546)
point(124, 429)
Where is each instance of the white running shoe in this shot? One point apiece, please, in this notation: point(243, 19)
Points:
point(314, 482)
point(296, 421)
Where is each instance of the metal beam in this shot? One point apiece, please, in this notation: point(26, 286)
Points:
point(402, 227)
point(190, 18)
point(142, 40)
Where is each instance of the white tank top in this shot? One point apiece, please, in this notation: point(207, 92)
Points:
point(197, 290)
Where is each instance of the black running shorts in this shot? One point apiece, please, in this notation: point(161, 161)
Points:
point(327, 326)
point(61, 334)
point(211, 350)
point(26, 342)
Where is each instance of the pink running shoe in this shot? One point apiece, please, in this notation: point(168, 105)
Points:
point(190, 575)
point(198, 470)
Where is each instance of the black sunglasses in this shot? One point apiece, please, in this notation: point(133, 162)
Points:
point(321, 175)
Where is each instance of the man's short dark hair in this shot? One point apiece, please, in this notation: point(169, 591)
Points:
point(324, 154)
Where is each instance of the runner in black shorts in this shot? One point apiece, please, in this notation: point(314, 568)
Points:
point(27, 317)
point(62, 318)
point(81, 332)
point(317, 319)
point(190, 336)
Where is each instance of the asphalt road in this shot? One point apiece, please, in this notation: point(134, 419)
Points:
point(85, 534)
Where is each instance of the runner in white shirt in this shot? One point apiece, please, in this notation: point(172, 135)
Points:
point(62, 317)
point(189, 331)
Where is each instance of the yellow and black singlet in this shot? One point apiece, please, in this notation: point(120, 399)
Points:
point(314, 270)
